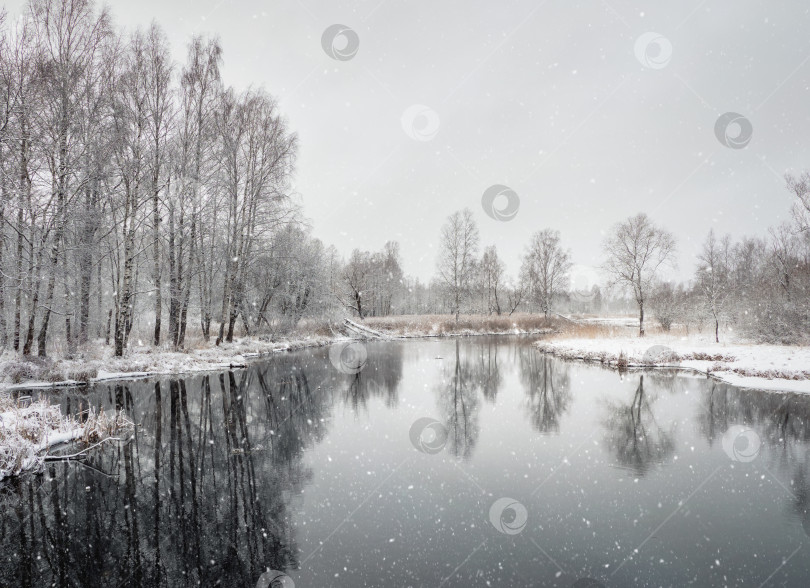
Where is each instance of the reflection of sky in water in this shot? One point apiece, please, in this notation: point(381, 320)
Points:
point(301, 468)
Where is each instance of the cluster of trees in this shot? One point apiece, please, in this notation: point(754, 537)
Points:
point(134, 189)
point(371, 282)
point(759, 285)
point(481, 284)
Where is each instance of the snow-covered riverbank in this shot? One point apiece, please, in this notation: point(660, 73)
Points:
point(767, 367)
point(97, 363)
point(142, 361)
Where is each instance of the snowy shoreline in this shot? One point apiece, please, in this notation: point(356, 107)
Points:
point(146, 362)
point(773, 368)
point(769, 367)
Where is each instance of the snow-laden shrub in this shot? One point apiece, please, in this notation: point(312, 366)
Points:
point(83, 374)
point(53, 375)
point(27, 432)
point(21, 371)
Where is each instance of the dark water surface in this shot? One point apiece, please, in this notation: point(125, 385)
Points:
point(528, 472)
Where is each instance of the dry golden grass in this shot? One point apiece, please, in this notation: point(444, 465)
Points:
point(442, 324)
point(594, 330)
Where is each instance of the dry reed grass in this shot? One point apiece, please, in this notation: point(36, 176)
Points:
point(29, 428)
point(438, 325)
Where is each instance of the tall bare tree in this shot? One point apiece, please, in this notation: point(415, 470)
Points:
point(636, 250)
point(712, 276)
point(492, 271)
point(6, 173)
point(200, 91)
point(547, 266)
point(257, 157)
point(160, 113)
point(131, 160)
point(800, 187)
point(70, 34)
point(458, 248)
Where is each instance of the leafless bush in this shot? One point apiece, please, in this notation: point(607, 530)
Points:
point(83, 374)
point(27, 432)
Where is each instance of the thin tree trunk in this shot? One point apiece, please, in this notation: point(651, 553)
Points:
point(107, 330)
point(156, 264)
point(3, 326)
point(32, 313)
point(641, 319)
point(18, 294)
point(86, 262)
point(173, 298)
point(68, 327)
point(122, 319)
point(61, 186)
point(181, 339)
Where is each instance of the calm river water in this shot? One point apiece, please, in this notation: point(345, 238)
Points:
point(447, 462)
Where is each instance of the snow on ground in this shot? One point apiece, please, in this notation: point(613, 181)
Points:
point(748, 365)
point(443, 325)
point(618, 321)
point(771, 367)
point(98, 363)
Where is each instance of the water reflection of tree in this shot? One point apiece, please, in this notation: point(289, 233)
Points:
point(458, 401)
point(548, 389)
point(378, 379)
point(781, 419)
point(782, 422)
point(634, 434)
point(199, 496)
point(485, 363)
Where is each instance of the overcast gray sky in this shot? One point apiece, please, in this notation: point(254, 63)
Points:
point(547, 97)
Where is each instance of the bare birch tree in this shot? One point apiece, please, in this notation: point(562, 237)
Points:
point(70, 34)
point(160, 110)
point(458, 248)
point(799, 186)
point(257, 157)
point(636, 250)
point(712, 276)
point(492, 276)
point(547, 266)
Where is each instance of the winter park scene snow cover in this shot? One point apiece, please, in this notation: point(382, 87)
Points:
point(403, 293)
